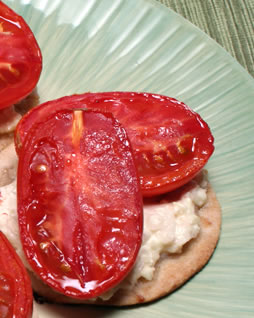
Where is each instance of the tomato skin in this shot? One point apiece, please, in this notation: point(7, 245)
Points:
point(79, 202)
point(20, 58)
point(16, 297)
point(171, 142)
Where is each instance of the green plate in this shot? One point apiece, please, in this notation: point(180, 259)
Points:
point(96, 45)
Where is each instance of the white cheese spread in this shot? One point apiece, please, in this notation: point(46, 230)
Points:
point(9, 217)
point(167, 227)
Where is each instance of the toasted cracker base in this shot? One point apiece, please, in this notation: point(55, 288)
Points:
point(172, 270)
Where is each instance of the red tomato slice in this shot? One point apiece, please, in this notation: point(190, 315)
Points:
point(79, 202)
point(20, 58)
point(171, 143)
point(16, 297)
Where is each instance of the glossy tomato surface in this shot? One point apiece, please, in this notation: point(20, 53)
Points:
point(171, 143)
point(79, 202)
point(20, 58)
point(16, 298)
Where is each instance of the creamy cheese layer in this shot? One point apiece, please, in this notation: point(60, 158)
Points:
point(167, 227)
point(9, 217)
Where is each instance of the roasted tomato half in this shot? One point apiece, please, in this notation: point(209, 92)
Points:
point(171, 143)
point(16, 297)
point(79, 202)
point(20, 58)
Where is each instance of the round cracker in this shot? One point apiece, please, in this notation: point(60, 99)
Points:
point(8, 164)
point(172, 270)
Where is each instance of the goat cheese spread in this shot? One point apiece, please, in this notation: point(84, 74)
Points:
point(9, 217)
point(167, 227)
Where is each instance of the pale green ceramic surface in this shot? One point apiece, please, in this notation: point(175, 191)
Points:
point(96, 45)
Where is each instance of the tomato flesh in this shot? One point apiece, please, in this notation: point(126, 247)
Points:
point(79, 202)
point(16, 298)
point(171, 143)
point(20, 58)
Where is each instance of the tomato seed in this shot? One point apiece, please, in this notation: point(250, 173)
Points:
point(41, 168)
